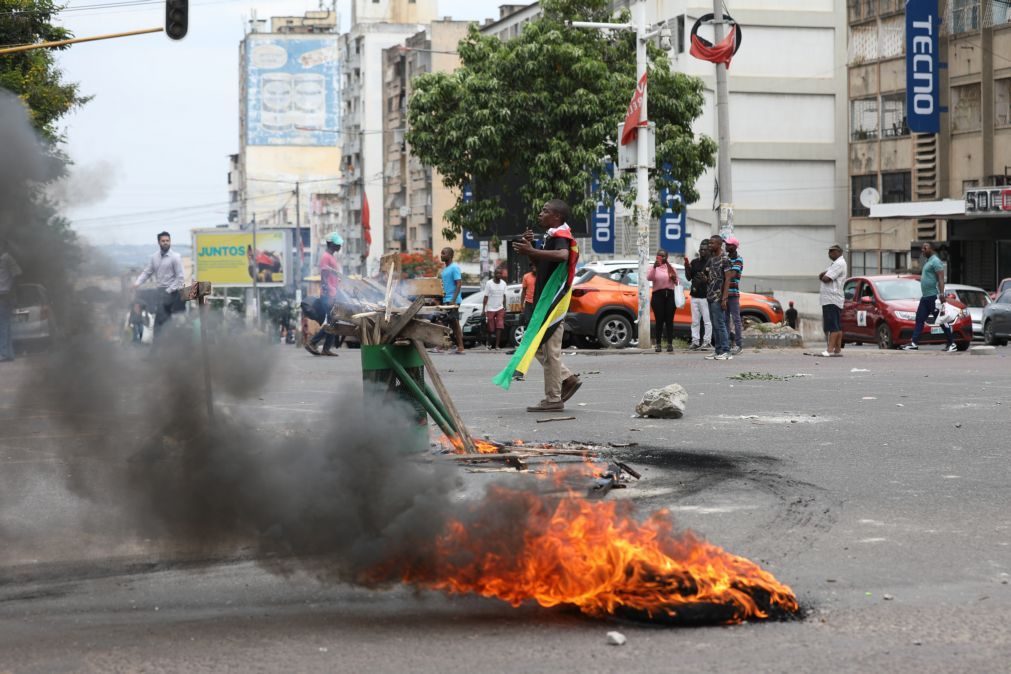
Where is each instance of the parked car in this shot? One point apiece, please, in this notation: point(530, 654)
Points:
point(1001, 287)
point(473, 323)
point(882, 309)
point(997, 320)
point(33, 316)
point(974, 300)
point(605, 306)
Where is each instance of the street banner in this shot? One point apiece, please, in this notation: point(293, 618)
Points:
point(469, 240)
point(229, 259)
point(602, 224)
point(923, 102)
point(672, 222)
point(634, 111)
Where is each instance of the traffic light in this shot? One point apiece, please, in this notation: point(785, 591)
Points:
point(177, 17)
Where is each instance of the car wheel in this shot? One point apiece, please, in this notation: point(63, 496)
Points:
point(751, 320)
point(885, 337)
point(990, 338)
point(614, 331)
point(518, 333)
point(962, 346)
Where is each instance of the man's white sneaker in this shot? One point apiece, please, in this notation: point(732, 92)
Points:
point(724, 356)
point(910, 347)
point(950, 348)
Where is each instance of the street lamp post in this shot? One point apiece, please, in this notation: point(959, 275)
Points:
point(642, 210)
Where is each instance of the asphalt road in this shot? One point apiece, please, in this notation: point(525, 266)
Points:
point(875, 485)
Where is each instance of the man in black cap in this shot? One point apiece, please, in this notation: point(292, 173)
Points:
point(831, 293)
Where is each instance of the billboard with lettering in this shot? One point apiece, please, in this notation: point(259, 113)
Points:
point(923, 100)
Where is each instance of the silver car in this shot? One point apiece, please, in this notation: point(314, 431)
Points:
point(975, 301)
point(33, 317)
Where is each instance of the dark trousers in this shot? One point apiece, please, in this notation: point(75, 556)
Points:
point(6, 326)
point(924, 312)
point(734, 324)
point(167, 303)
point(663, 307)
point(322, 307)
point(720, 334)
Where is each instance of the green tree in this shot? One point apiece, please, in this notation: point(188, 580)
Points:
point(45, 244)
point(550, 101)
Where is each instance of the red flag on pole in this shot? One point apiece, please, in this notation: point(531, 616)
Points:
point(366, 228)
point(633, 113)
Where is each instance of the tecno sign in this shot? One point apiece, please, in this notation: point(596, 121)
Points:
point(993, 201)
point(922, 99)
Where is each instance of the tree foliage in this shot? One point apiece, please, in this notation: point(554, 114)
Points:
point(551, 99)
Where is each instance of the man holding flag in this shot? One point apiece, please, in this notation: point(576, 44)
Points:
point(556, 266)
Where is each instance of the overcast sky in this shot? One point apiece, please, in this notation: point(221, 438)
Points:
point(151, 149)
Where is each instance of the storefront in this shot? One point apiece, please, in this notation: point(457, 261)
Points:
point(978, 245)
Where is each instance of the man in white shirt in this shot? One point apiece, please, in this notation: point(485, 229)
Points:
point(831, 293)
point(166, 266)
point(494, 307)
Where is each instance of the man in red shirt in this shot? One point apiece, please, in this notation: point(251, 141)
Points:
point(330, 271)
point(527, 286)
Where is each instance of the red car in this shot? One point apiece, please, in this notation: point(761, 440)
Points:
point(882, 309)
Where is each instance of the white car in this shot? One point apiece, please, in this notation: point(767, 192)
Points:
point(472, 306)
point(975, 300)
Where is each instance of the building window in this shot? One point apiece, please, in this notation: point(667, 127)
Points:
point(894, 262)
point(964, 15)
point(965, 108)
point(864, 119)
point(863, 43)
point(1002, 102)
point(893, 36)
point(893, 116)
point(860, 183)
point(863, 262)
point(896, 188)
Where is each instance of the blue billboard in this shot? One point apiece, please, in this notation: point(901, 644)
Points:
point(469, 240)
point(923, 98)
point(292, 90)
point(602, 221)
point(672, 222)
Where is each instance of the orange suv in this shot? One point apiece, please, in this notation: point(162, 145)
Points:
point(605, 307)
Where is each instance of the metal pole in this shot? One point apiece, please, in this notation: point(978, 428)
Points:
point(725, 220)
point(642, 211)
point(298, 252)
point(76, 40)
point(255, 315)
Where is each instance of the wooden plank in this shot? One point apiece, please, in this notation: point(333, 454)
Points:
point(447, 401)
point(398, 325)
point(428, 333)
point(544, 421)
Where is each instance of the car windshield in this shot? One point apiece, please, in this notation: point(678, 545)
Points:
point(899, 289)
point(972, 299)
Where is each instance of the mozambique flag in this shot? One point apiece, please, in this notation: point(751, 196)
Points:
point(548, 313)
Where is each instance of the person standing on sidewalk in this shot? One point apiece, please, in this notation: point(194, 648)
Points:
point(718, 274)
point(931, 290)
point(452, 284)
point(9, 270)
point(791, 316)
point(665, 284)
point(832, 300)
point(494, 307)
point(556, 267)
point(166, 266)
point(734, 324)
point(695, 270)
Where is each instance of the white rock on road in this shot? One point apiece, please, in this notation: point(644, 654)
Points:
point(668, 402)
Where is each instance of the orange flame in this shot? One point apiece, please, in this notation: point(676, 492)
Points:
point(518, 546)
point(482, 446)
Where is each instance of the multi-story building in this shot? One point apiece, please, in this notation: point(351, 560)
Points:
point(415, 198)
point(289, 125)
point(914, 185)
point(376, 26)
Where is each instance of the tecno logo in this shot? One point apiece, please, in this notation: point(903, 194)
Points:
point(923, 67)
point(993, 200)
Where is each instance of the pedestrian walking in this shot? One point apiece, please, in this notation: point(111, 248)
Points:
point(166, 268)
point(330, 273)
point(452, 283)
point(931, 297)
point(494, 307)
point(718, 289)
point(556, 266)
point(695, 270)
point(791, 316)
point(734, 323)
point(665, 284)
point(137, 322)
point(831, 295)
point(9, 270)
